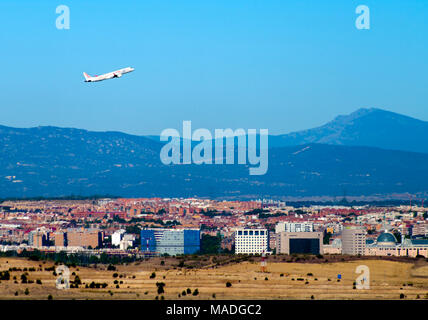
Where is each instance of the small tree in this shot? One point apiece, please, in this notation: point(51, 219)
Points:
point(228, 284)
point(160, 286)
point(24, 278)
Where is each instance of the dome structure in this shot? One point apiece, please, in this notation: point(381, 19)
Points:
point(386, 239)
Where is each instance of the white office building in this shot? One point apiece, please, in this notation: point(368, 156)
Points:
point(117, 236)
point(294, 227)
point(127, 241)
point(251, 241)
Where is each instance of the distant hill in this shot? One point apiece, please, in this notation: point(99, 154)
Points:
point(50, 161)
point(364, 127)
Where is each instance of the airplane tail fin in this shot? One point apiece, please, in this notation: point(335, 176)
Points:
point(86, 76)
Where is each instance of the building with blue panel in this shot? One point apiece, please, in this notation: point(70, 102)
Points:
point(170, 241)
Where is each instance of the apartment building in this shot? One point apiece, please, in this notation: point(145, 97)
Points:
point(38, 238)
point(79, 237)
point(353, 241)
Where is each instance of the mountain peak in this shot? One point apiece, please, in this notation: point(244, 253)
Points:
point(371, 127)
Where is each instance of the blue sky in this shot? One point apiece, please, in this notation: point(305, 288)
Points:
point(280, 65)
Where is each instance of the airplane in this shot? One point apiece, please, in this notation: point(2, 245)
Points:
point(110, 75)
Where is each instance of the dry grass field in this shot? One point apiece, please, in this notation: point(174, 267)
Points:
point(283, 280)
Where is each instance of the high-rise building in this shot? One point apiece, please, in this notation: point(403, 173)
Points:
point(299, 242)
point(251, 241)
point(170, 241)
point(353, 241)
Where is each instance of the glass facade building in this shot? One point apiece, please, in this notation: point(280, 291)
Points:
point(170, 241)
point(311, 246)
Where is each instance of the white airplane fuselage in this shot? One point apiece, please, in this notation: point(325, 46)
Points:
point(106, 76)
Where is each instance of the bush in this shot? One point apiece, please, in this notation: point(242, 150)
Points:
point(50, 297)
point(38, 281)
point(115, 275)
point(153, 275)
point(402, 296)
point(195, 292)
point(188, 291)
point(228, 284)
point(4, 275)
point(310, 274)
point(111, 267)
point(26, 292)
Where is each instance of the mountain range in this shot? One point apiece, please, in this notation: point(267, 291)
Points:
point(369, 152)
